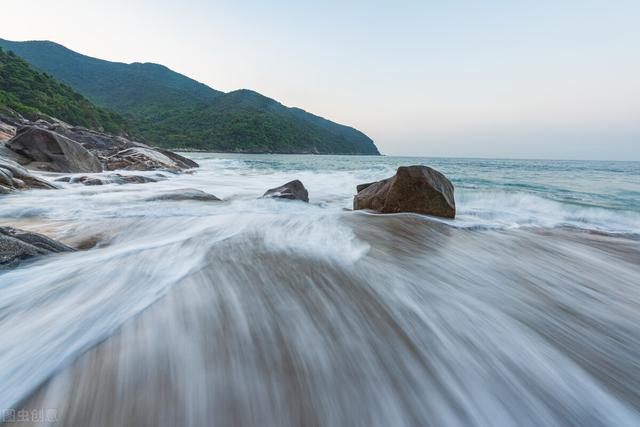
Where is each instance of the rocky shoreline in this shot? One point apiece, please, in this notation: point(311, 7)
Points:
point(54, 146)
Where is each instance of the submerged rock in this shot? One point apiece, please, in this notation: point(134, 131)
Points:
point(293, 190)
point(88, 180)
point(185, 194)
point(114, 178)
point(17, 246)
point(418, 189)
point(15, 177)
point(50, 151)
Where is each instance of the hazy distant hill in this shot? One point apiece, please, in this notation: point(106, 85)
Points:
point(173, 110)
point(35, 94)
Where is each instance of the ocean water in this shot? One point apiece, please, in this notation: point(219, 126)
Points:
point(524, 310)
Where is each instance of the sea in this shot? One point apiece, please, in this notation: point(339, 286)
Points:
point(522, 311)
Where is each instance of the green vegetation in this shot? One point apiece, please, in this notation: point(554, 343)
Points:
point(34, 95)
point(246, 121)
point(168, 109)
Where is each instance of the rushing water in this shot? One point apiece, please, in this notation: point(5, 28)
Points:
point(525, 310)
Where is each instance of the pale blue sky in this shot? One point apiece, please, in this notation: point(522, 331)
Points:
point(542, 79)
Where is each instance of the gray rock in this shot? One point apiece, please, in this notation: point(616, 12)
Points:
point(137, 179)
point(180, 161)
point(293, 190)
point(7, 153)
point(15, 177)
point(50, 151)
point(17, 246)
point(118, 152)
point(146, 158)
point(418, 189)
point(114, 178)
point(7, 131)
point(112, 151)
point(185, 194)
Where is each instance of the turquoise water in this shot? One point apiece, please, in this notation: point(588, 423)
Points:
point(496, 194)
point(606, 184)
point(595, 195)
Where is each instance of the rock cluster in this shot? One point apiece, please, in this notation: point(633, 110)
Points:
point(59, 147)
point(55, 146)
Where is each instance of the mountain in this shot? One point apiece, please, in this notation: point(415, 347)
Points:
point(169, 109)
point(246, 121)
point(35, 94)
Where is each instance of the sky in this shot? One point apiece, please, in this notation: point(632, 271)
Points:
point(509, 79)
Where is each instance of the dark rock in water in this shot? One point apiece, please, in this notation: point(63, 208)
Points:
point(89, 242)
point(50, 151)
point(418, 189)
point(137, 179)
point(293, 190)
point(185, 194)
point(18, 245)
point(87, 180)
point(114, 178)
point(15, 177)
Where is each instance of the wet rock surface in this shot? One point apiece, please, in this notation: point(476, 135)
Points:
point(419, 189)
point(56, 146)
point(17, 246)
point(15, 177)
point(52, 152)
point(115, 178)
point(292, 190)
point(184, 194)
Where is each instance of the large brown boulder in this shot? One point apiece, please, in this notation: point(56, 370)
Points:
point(418, 189)
point(52, 152)
point(17, 246)
point(292, 190)
point(15, 177)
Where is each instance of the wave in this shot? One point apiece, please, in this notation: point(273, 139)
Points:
point(506, 210)
point(287, 314)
